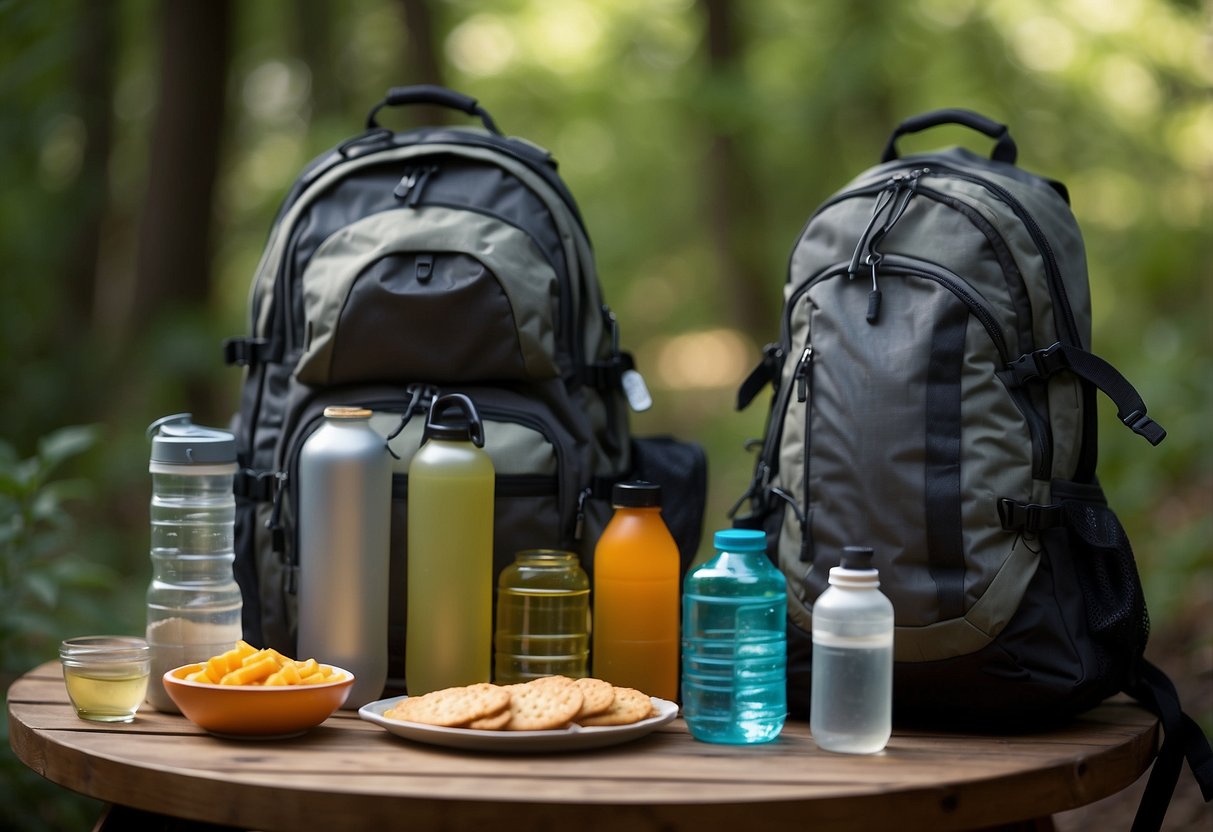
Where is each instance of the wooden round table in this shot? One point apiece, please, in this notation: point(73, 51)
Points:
point(351, 774)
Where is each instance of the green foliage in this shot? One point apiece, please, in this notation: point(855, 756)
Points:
point(48, 591)
point(41, 574)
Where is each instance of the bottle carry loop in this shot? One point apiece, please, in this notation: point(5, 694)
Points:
point(436, 428)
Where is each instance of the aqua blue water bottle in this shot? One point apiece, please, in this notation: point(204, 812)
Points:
point(734, 643)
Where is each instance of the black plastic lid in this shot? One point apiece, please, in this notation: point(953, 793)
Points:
point(857, 557)
point(636, 494)
point(454, 417)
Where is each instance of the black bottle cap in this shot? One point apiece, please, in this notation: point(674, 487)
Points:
point(454, 417)
point(636, 494)
point(857, 557)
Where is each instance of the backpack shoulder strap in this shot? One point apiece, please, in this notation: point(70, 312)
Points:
point(1182, 739)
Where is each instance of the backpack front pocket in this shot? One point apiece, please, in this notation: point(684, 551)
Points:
point(471, 298)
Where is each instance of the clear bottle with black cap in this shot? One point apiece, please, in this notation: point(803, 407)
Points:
point(852, 690)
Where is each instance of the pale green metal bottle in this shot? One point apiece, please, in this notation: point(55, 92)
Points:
point(450, 551)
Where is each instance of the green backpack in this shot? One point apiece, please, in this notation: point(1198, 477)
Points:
point(405, 265)
point(934, 398)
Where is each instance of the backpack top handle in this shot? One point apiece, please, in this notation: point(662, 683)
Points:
point(1004, 146)
point(431, 94)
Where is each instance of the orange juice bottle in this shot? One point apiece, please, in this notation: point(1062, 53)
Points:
point(637, 595)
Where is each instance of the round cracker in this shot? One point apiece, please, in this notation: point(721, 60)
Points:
point(452, 707)
point(597, 696)
point(492, 723)
point(541, 705)
point(630, 706)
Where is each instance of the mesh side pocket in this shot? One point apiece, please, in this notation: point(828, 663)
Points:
point(1107, 574)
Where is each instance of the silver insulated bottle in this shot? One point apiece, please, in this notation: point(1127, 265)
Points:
point(345, 492)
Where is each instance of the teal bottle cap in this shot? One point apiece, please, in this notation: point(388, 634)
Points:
point(740, 540)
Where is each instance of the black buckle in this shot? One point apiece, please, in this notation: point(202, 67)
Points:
point(1028, 517)
point(1143, 425)
point(1038, 363)
point(245, 351)
point(604, 375)
point(261, 486)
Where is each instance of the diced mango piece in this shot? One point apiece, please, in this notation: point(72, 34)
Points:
point(219, 666)
point(290, 673)
point(250, 673)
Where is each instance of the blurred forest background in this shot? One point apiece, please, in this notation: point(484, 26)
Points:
point(146, 146)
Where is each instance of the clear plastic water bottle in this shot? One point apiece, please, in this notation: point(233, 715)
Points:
point(193, 602)
point(734, 643)
point(345, 507)
point(852, 690)
point(543, 618)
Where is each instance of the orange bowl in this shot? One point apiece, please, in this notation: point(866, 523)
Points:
point(256, 710)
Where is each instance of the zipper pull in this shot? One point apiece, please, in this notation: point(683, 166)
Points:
point(579, 527)
point(802, 374)
point(883, 200)
point(406, 183)
point(411, 185)
point(874, 296)
point(419, 185)
point(896, 197)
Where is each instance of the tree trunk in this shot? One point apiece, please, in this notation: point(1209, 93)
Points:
point(173, 260)
point(96, 44)
point(422, 64)
point(733, 203)
point(315, 23)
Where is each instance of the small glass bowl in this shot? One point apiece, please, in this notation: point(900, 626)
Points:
point(106, 676)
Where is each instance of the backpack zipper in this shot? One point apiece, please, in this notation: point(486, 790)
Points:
point(412, 183)
point(804, 393)
point(900, 189)
point(1052, 270)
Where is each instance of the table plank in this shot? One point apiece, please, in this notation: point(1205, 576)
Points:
point(349, 774)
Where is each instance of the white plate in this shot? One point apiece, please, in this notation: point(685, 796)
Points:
point(574, 737)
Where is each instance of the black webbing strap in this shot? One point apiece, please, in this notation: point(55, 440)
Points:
point(604, 375)
point(248, 352)
point(767, 372)
point(260, 486)
point(1182, 739)
point(945, 542)
point(1130, 408)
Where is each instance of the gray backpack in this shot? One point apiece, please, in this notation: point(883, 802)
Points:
point(405, 265)
point(933, 398)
